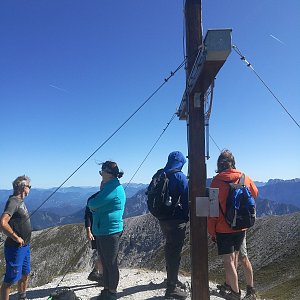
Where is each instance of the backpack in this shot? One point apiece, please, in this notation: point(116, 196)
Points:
point(240, 206)
point(160, 203)
point(63, 294)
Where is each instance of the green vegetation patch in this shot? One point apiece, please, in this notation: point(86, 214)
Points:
point(279, 279)
point(287, 290)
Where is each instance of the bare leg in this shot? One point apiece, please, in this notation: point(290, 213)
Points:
point(5, 291)
point(236, 261)
point(23, 283)
point(248, 271)
point(230, 271)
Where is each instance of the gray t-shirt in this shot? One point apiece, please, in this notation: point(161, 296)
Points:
point(19, 222)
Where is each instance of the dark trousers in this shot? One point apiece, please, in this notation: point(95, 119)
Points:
point(174, 232)
point(108, 249)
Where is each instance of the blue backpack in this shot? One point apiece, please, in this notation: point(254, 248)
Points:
point(240, 206)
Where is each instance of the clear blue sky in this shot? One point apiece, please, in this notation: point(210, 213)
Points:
point(71, 72)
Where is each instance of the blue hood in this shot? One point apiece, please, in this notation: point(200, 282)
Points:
point(176, 160)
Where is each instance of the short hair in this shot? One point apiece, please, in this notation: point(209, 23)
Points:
point(20, 182)
point(225, 161)
point(112, 168)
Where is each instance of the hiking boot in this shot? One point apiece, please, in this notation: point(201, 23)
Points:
point(250, 294)
point(22, 296)
point(181, 285)
point(103, 294)
point(109, 296)
point(178, 283)
point(223, 288)
point(174, 292)
point(100, 280)
point(95, 276)
point(233, 295)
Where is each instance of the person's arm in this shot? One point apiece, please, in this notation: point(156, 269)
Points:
point(211, 228)
point(87, 217)
point(88, 223)
point(6, 228)
point(89, 234)
point(253, 189)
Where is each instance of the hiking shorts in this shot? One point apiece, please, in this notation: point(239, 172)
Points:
point(17, 263)
point(229, 242)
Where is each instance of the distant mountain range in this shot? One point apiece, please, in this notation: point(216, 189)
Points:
point(65, 201)
point(136, 206)
point(66, 206)
point(282, 191)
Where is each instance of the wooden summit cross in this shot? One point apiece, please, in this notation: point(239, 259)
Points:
point(204, 60)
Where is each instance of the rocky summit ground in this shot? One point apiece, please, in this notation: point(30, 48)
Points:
point(135, 284)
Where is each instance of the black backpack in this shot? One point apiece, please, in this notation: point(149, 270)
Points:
point(240, 206)
point(63, 294)
point(160, 204)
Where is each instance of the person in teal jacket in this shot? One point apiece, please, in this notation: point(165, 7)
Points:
point(107, 207)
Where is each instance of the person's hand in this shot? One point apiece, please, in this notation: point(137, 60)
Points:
point(20, 241)
point(89, 234)
point(90, 237)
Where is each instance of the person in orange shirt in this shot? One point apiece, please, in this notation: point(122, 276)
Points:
point(229, 241)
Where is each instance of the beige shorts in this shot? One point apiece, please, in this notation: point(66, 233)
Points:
point(243, 249)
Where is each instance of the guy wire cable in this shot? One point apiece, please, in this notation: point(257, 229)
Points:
point(122, 125)
point(70, 266)
point(208, 100)
point(237, 50)
point(211, 93)
point(208, 113)
point(172, 73)
point(215, 142)
point(173, 116)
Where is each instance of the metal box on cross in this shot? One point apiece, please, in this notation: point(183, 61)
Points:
point(212, 55)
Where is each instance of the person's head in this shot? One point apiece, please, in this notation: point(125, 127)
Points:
point(21, 185)
point(176, 160)
point(110, 169)
point(225, 161)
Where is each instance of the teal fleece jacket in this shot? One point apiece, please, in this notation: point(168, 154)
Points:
point(107, 207)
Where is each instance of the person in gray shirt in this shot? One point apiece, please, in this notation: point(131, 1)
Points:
point(15, 224)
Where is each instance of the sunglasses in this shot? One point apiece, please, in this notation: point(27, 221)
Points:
point(104, 170)
point(29, 186)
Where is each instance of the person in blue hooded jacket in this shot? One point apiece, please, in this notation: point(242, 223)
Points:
point(174, 227)
point(107, 207)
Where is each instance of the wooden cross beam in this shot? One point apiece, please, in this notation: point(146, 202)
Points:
point(210, 58)
point(201, 70)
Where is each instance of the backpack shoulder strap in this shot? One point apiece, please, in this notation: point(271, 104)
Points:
point(242, 179)
point(168, 174)
point(172, 172)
